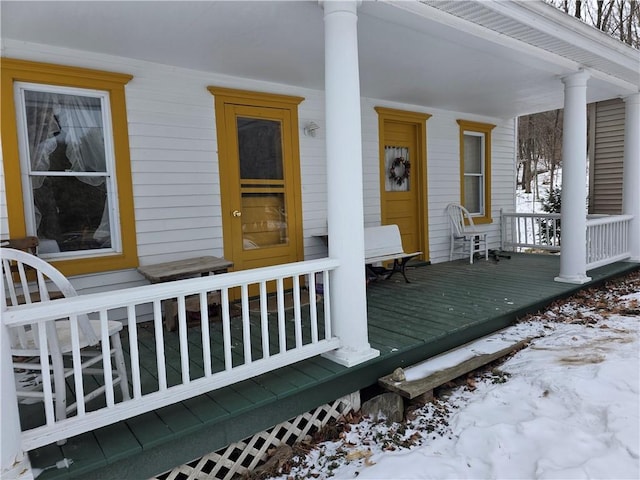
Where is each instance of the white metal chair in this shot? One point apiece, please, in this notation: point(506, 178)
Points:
point(464, 235)
point(29, 279)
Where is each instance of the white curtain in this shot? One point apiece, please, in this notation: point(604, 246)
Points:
point(42, 127)
point(79, 118)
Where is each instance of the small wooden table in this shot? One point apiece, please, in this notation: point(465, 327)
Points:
point(178, 270)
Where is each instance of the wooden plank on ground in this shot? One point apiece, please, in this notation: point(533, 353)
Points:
point(432, 373)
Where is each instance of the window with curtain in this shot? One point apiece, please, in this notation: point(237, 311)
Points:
point(475, 169)
point(67, 168)
point(68, 161)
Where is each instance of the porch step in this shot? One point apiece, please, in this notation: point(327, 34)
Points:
point(422, 378)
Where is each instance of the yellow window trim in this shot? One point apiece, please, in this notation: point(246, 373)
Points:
point(484, 128)
point(13, 70)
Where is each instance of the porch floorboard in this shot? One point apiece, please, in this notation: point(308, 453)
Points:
point(444, 306)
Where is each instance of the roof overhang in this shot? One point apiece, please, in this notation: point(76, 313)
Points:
point(499, 59)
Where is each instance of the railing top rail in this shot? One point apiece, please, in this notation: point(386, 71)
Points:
point(530, 215)
point(608, 219)
point(54, 309)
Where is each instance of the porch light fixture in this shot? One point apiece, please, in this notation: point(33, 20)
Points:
point(310, 129)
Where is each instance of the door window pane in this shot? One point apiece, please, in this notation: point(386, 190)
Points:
point(397, 169)
point(69, 182)
point(264, 220)
point(260, 149)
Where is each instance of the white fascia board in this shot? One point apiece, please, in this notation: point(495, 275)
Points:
point(434, 14)
point(568, 29)
point(515, 10)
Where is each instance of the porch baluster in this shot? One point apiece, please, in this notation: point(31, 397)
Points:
point(204, 328)
point(282, 334)
point(313, 306)
point(133, 351)
point(226, 330)
point(159, 339)
point(184, 344)
point(47, 388)
point(246, 325)
point(296, 311)
point(326, 293)
point(264, 320)
point(106, 359)
point(77, 365)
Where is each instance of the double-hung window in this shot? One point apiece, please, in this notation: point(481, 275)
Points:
point(73, 190)
point(475, 169)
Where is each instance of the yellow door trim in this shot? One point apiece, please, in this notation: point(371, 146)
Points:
point(255, 99)
point(224, 97)
point(419, 120)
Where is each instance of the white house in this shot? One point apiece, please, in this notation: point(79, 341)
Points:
point(248, 130)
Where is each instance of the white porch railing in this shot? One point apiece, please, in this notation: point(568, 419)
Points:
point(607, 239)
point(240, 349)
point(607, 235)
point(531, 231)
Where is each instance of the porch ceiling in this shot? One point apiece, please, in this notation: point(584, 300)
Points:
point(464, 56)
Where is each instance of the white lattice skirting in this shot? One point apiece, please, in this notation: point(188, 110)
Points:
point(242, 457)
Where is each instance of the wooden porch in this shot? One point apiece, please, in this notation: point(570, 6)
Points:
point(444, 306)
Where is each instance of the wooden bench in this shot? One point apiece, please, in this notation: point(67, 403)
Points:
point(180, 269)
point(384, 244)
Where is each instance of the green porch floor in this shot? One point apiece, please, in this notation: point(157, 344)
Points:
point(444, 306)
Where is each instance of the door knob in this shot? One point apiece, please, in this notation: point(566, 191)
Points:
point(236, 213)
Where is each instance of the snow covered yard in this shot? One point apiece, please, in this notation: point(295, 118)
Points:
point(565, 407)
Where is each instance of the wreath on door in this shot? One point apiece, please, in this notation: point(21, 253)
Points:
point(399, 170)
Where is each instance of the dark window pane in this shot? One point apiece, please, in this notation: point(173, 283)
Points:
point(260, 149)
point(72, 213)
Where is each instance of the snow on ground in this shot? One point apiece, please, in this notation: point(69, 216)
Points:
point(566, 407)
point(532, 202)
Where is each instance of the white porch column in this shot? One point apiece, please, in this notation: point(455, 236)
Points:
point(631, 169)
point(14, 462)
point(573, 253)
point(344, 183)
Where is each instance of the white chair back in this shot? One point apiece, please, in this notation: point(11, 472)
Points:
point(22, 288)
point(460, 219)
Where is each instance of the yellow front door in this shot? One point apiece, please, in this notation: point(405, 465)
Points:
point(260, 184)
point(403, 176)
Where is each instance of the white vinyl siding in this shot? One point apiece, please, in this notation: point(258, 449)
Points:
point(174, 162)
point(605, 196)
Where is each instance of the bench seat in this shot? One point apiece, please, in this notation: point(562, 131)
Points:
point(384, 244)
